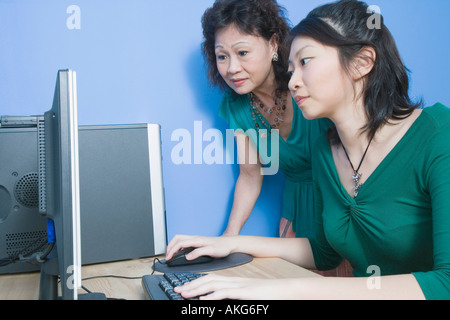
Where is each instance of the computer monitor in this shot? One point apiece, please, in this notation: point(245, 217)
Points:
point(39, 186)
point(57, 250)
point(59, 200)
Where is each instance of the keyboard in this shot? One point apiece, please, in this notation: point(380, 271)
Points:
point(160, 287)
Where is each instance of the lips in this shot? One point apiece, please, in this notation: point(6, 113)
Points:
point(300, 100)
point(238, 82)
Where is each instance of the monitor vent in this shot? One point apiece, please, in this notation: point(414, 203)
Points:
point(42, 164)
point(21, 243)
point(26, 190)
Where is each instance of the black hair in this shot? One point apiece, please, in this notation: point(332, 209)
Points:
point(263, 18)
point(348, 25)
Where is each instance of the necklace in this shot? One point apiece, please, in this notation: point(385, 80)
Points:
point(356, 175)
point(256, 106)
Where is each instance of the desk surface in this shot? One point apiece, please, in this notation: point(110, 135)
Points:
point(26, 286)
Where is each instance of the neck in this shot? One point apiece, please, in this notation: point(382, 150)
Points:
point(266, 91)
point(348, 125)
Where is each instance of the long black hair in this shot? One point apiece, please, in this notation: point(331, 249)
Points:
point(263, 18)
point(349, 26)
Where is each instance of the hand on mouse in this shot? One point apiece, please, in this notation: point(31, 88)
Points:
point(217, 247)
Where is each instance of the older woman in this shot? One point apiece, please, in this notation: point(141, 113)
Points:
point(246, 48)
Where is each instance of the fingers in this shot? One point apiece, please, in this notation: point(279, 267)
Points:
point(211, 287)
point(177, 243)
point(182, 241)
point(205, 246)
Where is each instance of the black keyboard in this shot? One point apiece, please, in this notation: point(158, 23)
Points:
point(160, 287)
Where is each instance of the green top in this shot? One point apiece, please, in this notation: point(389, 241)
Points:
point(400, 220)
point(294, 157)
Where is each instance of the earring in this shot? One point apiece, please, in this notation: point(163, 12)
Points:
point(275, 57)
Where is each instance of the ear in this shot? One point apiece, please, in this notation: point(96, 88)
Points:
point(363, 63)
point(273, 42)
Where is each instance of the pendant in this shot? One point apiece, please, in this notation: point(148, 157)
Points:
point(356, 190)
point(356, 177)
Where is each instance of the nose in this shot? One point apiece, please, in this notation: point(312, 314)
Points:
point(296, 81)
point(234, 66)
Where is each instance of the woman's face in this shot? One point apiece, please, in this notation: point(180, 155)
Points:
point(244, 61)
point(318, 83)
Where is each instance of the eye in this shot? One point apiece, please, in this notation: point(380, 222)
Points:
point(243, 53)
point(304, 61)
point(290, 73)
point(221, 57)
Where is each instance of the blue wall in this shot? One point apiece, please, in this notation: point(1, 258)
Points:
point(140, 62)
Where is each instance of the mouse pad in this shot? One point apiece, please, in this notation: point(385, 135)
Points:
point(233, 260)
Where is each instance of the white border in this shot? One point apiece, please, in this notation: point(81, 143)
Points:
point(72, 83)
point(157, 188)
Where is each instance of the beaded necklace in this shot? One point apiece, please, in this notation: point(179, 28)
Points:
point(256, 106)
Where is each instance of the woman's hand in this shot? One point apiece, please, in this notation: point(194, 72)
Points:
point(215, 287)
point(217, 247)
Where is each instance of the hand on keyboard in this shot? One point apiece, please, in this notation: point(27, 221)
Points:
point(172, 280)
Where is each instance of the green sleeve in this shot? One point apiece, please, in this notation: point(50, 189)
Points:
point(435, 284)
point(325, 257)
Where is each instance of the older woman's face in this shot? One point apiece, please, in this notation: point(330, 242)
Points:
point(244, 61)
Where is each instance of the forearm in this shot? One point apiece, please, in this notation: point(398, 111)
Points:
point(245, 196)
point(397, 287)
point(294, 250)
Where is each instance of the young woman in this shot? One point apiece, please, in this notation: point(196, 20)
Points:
point(381, 176)
point(246, 46)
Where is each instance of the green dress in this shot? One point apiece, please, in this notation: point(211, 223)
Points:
point(400, 220)
point(294, 158)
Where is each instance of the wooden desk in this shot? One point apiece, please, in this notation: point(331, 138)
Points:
point(26, 286)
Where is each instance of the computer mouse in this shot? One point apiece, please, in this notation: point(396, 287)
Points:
point(179, 258)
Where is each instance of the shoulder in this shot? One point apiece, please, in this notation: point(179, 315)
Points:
point(438, 116)
point(434, 138)
point(320, 149)
point(231, 103)
point(233, 109)
point(436, 124)
point(230, 99)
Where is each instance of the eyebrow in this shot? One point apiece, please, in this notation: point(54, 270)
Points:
point(234, 45)
point(300, 51)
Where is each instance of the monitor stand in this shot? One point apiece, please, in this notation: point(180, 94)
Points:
point(48, 288)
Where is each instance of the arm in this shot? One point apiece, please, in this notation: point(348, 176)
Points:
point(391, 287)
point(248, 185)
point(296, 251)
point(436, 282)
